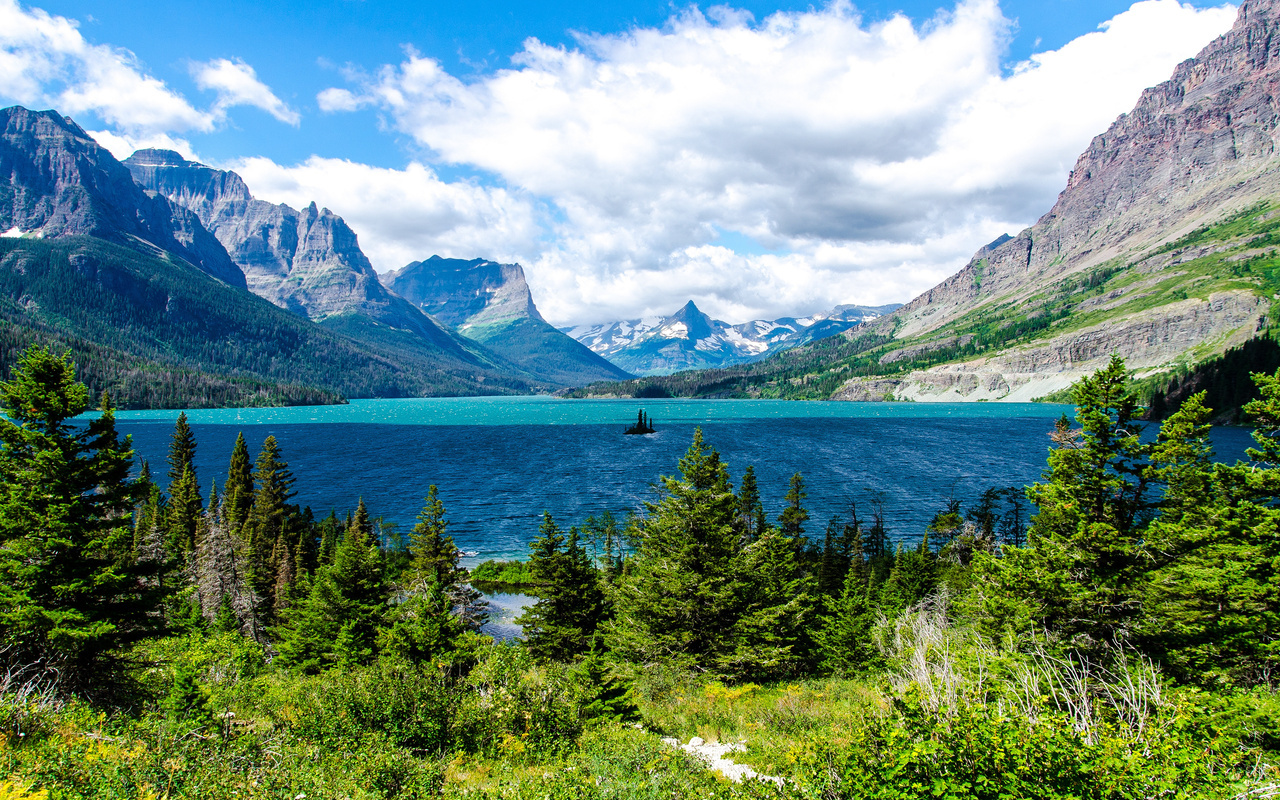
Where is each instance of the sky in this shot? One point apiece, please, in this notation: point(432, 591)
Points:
point(761, 159)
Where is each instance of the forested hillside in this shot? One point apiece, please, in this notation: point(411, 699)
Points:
point(1106, 633)
point(158, 332)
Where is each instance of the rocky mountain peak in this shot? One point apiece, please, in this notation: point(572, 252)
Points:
point(55, 181)
point(462, 293)
point(696, 325)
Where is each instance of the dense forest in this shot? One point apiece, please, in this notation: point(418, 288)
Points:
point(1110, 632)
point(160, 333)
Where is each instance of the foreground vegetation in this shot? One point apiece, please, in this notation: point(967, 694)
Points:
point(1121, 645)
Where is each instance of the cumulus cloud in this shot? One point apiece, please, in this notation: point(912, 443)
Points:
point(237, 84)
point(45, 61)
point(403, 215)
point(872, 158)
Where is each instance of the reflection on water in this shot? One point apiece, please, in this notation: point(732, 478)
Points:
point(503, 610)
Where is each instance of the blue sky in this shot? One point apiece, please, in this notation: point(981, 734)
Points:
point(762, 159)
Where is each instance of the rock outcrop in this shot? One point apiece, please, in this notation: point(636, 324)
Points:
point(1195, 149)
point(56, 181)
point(491, 304)
point(306, 261)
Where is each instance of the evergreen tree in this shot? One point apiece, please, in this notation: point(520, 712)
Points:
point(1211, 598)
point(423, 627)
point(946, 524)
point(1091, 512)
point(434, 555)
point(913, 578)
point(561, 624)
point(606, 698)
point(337, 624)
point(776, 599)
point(751, 517)
point(238, 487)
point(330, 534)
point(845, 634)
point(791, 521)
point(71, 593)
point(270, 521)
point(182, 450)
point(183, 516)
point(675, 598)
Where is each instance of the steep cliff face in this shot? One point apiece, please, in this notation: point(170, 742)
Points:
point(1196, 150)
point(462, 292)
point(490, 303)
point(56, 181)
point(307, 261)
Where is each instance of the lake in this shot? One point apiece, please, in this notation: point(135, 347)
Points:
point(500, 462)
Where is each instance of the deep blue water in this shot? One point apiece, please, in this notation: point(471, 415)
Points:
point(500, 462)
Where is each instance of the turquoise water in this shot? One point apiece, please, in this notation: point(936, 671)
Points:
point(544, 410)
point(500, 462)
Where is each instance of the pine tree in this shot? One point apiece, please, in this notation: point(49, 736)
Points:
point(570, 605)
point(71, 593)
point(183, 516)
point(1092, 509)
point(182, 450)
point(913, 578)
point(776, 601)
point(238, 488)
point(1211, 599)
point(751, 519)
point(675, 598)
point(423, 627)
point(270, 520)
point(844, 636)
point(606, 698)
point(338, 622)
point(434, 555)
point(791, 521)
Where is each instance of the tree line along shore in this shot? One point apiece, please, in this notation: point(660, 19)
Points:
point(1109, 632)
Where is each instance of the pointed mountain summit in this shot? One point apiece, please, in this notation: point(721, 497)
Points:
point(490, 303)
point(690, 339)
point(306, 261)
point(56, 181)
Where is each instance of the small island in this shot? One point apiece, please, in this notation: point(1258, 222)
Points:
point(643, 426)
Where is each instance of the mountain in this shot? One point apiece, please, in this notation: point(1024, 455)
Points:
point(154, 309)
point(490, 303)
point(56, 181)
point(689, 339)
point(307, 261)
point(1162, 248)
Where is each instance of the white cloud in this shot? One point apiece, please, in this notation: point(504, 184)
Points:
point(403, 215)
point(45, 60)
point(237, 85)
point(875, 158)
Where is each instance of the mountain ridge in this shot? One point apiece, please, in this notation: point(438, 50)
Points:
point(491, 303)
point(690, 339)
